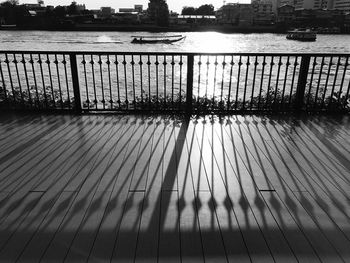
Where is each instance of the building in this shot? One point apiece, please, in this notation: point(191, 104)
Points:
point(107, 11)
point(235, 14)
point(342, 5)
point(263, 12)
point(316, 4)
point(285, 14)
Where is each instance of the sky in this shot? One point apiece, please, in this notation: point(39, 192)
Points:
point(174, 5)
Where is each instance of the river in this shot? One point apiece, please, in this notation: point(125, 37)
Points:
point(194, 42)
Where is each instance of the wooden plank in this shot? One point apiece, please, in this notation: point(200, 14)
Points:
point(29, 226)
point(80, 247)
point(169, 235)
point(269, 229)
point(321, 245)
point(169, 160)
point(147, 245)
point(190, 237)
point(60, 242)
point(67, 165)
point(327, 227)
point(92, 154)
point(28, 158)
point(276, 173)
point(32, 169)
point(238, 181)
point(126, 242)
point(213, 246)
point(16, 216)
point(110, 224)
point(85, 236)
point(47, 229)
point(141, 166)
point(298, 242)
point(198, 169)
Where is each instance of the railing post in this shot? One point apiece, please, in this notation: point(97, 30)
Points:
point(189, 88)
point(303, 73)
point(75, 79)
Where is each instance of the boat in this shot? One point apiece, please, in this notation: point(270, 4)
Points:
point(156, 39)
point(302, 35)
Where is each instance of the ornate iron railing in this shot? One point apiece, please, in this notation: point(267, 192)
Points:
point(192, 82)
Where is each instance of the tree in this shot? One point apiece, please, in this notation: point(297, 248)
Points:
point(188, 10)
point(158, 11)
point(72, 9)
point(10, 3)
point(205, 10)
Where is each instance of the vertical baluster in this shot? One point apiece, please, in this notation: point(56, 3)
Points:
point(109, 81)
point(238, 77)
point(141, 80)
point(285, 82)
point(207, 77)
point(66, 76)
point(27, 80)
point(43, 80)
point(15, 61)
point(230, 85)
point(126, 83)
point(347, 95)
point(293, 78)
point(327, 79)
point(157, 84)
point(277, 81)
point(35, 83)
point(101, 77)
point(222, 82)
point(254, 77)
point(117, 73)
point(319, 82)
point(180, 88)
point(86, 83)
point(246, 82)
point(261, 81)
point(189, 84)
point(75, 82)
point(215, 70)
point(199, 77)
point(269, 83)
point(311, 80)
point(133, 80)
point(343, 78)
point(59, 80)
point(92, 62)
point(172, 80)
point(165, 95)
point(302, 80)
point(3, 84)
point(7, 61)
point(149, 81)
point(51, 83)
point(334, 82)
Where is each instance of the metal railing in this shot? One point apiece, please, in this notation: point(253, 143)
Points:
point(192, 82)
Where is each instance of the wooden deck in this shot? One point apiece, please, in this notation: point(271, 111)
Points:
point(167, 189)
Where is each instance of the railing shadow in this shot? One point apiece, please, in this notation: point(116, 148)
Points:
point(147, 188)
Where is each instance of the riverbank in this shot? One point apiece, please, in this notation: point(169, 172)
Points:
point(157, 29)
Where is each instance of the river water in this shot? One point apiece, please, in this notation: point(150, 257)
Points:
point(194, 42)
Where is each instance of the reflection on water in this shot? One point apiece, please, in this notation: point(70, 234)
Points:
point(194, 42)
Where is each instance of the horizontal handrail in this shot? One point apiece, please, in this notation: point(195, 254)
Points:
point(320, 54)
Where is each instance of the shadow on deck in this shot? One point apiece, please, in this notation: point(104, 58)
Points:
point(165, 188)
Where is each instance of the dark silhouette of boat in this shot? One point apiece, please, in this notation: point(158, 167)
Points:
point(156, 39)
point(301, 35)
